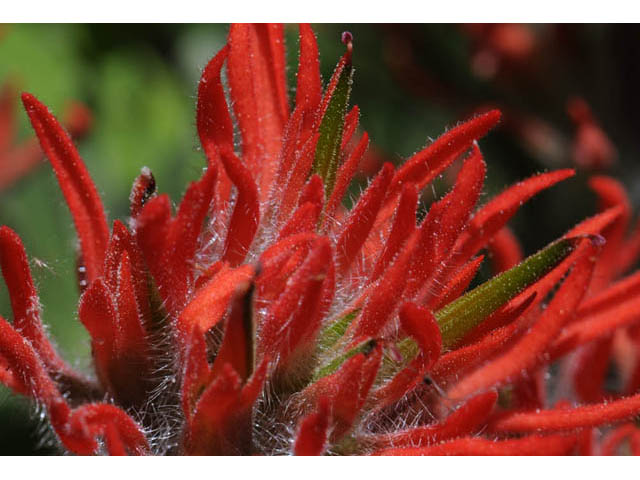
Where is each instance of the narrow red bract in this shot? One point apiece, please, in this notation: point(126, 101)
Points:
point(569, 419)
point(532, 445)
point(76, 185)
point(262, 316)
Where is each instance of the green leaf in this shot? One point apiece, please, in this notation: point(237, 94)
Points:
point(331, 334)
point(462, 315)
point(327, 157)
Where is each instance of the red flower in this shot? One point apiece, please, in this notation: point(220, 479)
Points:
point(265, 318)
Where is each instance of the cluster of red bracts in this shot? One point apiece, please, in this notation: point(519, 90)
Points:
point(263, 317)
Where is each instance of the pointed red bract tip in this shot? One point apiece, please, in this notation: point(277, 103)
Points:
point(494, 215)
point(427, 164)
point(362, 218)
point(420, 324)
point(215, 127)
point(76, 185)
point(309, 86)
point(208, 306)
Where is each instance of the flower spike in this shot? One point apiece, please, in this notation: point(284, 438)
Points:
point(264, 316)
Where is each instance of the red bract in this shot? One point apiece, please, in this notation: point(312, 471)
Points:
point(263, 317)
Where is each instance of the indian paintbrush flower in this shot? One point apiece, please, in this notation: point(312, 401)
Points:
point(263, 317)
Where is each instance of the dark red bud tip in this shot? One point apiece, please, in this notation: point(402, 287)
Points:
point(347, 39)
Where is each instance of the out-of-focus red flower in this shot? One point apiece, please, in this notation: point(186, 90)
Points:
point(498, 44)
point(592, 148)
point(262, 317)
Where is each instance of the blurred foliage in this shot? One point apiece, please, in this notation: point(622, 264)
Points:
point(411, 81)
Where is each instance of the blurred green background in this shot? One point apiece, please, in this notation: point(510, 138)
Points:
point(412, 81)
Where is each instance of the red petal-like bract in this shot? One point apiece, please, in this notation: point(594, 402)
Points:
point(76, 185)
point(404, 224)
point(439, 232)
point(293, 320)
point(532, 445)
point(361, 219)
point(344, 176)
point(494, 215)
point(213, 119)
point(458, 284)
point(256, 72)
point(221, 421)
point(208, 306)
point(265, 317)
point(246, 212)
point(18, 157)
point(309, 88)
point(312, 434)
point(570, 419)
